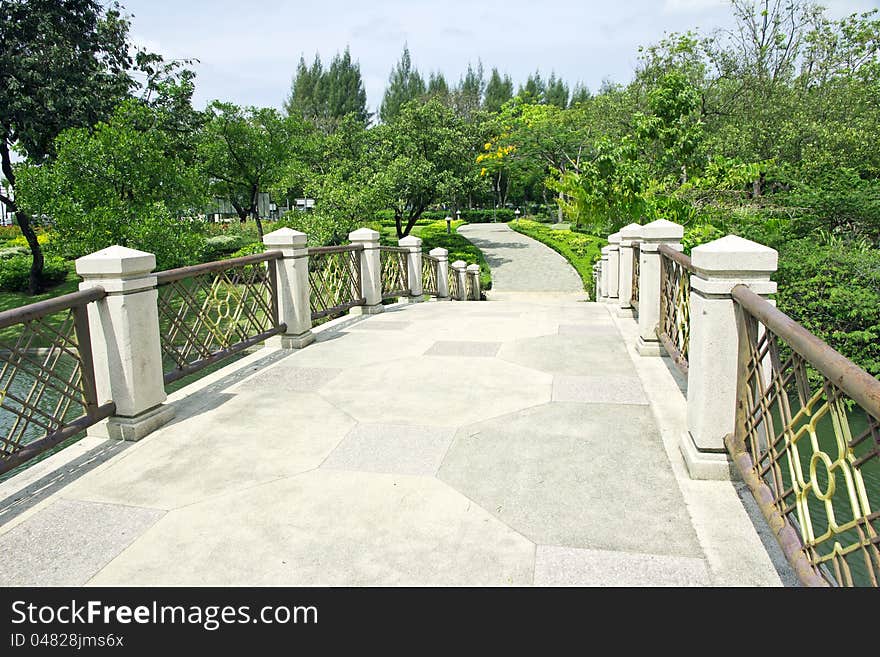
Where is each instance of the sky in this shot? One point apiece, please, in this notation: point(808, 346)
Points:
point(248, 49)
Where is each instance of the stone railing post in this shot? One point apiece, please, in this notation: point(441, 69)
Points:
point(474, 272)
point(442, 256)
point(628, 236)
point(653, 235)
point(413, 245)
point(124, 328)
point(371, 270)
point(294, 291)
point(713, 347)
point(613, 268)
point(460, 269)
point(603, 276)
point(597, 280)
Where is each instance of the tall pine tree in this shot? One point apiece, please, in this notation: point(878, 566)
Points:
point(469, 94)
point(437, 88)
point(556, 92)
point(344, 90)
point(533, 90)
point(305, 91)
point(404, 84)
point(324, 97)
point(580, 94)
point(498, 91)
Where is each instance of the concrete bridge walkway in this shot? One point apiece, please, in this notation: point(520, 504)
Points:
point(511, 442)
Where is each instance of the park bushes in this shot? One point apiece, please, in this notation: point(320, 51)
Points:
point(15, 272)
point(472, 216)
point(220, 246)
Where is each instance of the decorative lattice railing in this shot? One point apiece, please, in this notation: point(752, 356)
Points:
point(807, 442)
point(454, 283)
point(395, 273)
point(212, 311)
point(675, 304)
point(637, 258)
point(430, 274)
point(470, 280)
point(334, 280)
point(47, 380)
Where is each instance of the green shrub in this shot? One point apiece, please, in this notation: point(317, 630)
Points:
point(8, 233)
point(833, 289)
point(220, 246)
point(460, 248)
point(15, 272)
point(12, 251)
point(472, 216)
point(700, 235)
point(247, 249)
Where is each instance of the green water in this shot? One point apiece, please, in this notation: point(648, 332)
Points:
point(858, 423)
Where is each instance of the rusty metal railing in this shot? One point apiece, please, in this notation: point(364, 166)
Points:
point(430, 269)
point(47, 376)
point(212, 311)
point(637, 257)
point(675, 305)
point(335, 280)
point(807, 442)
point(395, 273)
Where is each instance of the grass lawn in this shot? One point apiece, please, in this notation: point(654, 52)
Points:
point(433, 234)
point(10, 300)
point(579, 249)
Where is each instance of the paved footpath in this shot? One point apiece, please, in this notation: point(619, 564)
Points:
point(508, 442)
point(520, 263)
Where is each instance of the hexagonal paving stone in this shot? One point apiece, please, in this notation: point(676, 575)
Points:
point(328, 527)
point(578, 355)
point(439, 391)
point(249, 439)
point(576, 475)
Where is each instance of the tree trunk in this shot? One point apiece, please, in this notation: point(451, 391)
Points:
point(240, 211)
point(559, 208)
point(255, 210)
point(398, 224)
point(35, 279)
point(411, 222)
point(758, 186)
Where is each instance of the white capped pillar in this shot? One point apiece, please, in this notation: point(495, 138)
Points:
point(126, 351)
point(713, 347)
point(294, 290)
point(653, 235)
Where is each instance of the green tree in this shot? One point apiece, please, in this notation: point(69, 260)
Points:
point(556, 92)
point(580, 94)
point(245, 151)
point(438, 88)
point(345, 92)
point(425, 157)
point(323, 97)
point(469, 92)
point(404, 85)
point(124, 181)
point(62, 65)
point(306, 97)
point(533, 90)
point(344, 183)
point(499, 90)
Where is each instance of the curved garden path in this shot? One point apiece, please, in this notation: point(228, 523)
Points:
point(520, 263)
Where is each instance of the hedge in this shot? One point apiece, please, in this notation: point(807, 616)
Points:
point(15, 272)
